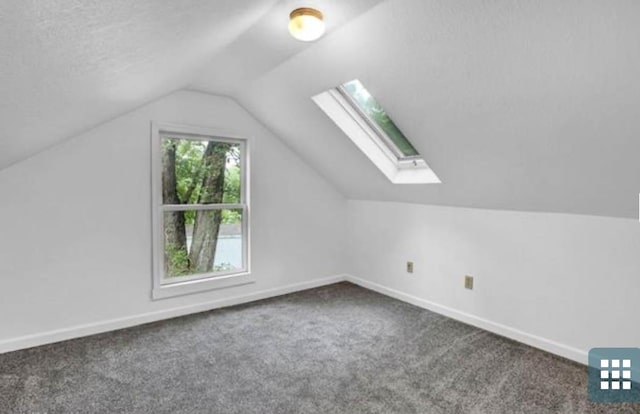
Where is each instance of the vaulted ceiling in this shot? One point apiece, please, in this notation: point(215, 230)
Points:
point(67, 65)
point(521, 105)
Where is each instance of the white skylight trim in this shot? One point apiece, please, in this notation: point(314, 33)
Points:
point(412, 170)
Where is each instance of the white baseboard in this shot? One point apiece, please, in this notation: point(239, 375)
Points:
point(562, 350)
point(29, 341)
point(73, 332)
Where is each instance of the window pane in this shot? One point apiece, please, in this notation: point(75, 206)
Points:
point(202, 241)
point(368, 104)
point(200, 171)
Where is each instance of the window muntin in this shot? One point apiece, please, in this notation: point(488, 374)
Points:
point(378, 119)
point(201, 230)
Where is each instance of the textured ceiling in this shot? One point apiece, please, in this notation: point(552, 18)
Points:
point(66, 65)
point(523, 105)
point(526, 105)
point(268, 44)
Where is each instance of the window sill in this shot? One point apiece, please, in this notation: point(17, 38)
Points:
point(201, 285)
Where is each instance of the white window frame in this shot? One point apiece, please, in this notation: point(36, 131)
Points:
point(208, 281)
point(372, 141)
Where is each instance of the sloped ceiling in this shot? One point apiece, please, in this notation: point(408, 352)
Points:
point(67, 65)
point(522, 105)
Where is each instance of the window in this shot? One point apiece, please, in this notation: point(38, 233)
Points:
point(378, 119)
point(361, 117)
point(200, 210)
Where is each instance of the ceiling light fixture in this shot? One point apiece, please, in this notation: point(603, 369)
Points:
point(306, 24)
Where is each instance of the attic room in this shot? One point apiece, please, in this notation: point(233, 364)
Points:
point(323, 206)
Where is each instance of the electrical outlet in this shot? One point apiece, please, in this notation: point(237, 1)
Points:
point(409, 267)
point(468, 282)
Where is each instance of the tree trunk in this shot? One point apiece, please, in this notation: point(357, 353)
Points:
point(175, 235)
point(207, 222)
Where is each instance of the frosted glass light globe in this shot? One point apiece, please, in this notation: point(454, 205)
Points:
point(306, 24)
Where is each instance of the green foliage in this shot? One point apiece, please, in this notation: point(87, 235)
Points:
point(191, 168)
point(232, 185)
point(190, 171)
point(372, 108)
point(231, 195)
point(178, 261)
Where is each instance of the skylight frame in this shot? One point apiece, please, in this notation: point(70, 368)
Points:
point(355, 125)
point(381, 134)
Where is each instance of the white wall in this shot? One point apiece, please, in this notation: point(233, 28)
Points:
point(75, 232)
point(565, 283)
point(75, 244)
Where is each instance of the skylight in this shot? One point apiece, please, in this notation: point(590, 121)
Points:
point(361, 117)
point(375, 114)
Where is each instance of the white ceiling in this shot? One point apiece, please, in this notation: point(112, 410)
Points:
point(67, 65)
point(525, 105)
point(268, 44)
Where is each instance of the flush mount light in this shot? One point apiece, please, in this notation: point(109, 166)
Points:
point(306, 24)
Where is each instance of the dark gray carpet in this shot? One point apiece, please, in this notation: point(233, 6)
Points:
point(336, 349)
